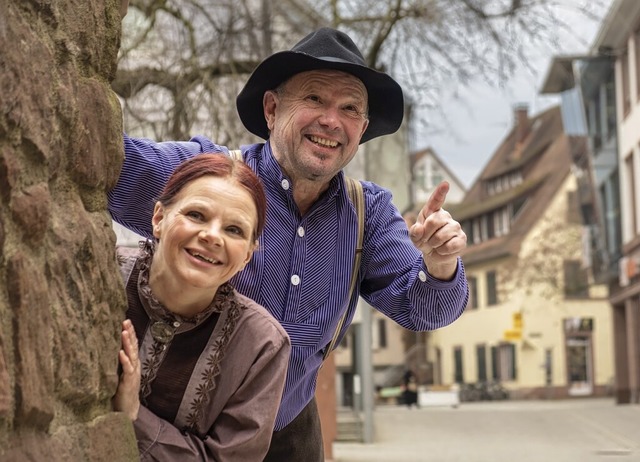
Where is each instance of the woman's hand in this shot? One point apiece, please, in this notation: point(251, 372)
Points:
point(127, 397)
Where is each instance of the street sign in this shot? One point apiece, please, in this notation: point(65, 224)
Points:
point(517, 321)
point(512, 335)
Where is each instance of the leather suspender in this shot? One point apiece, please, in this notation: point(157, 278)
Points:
point(354, 188)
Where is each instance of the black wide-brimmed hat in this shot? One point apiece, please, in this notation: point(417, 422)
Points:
point(323, 49)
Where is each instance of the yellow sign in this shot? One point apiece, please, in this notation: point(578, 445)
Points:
point(517, 321)
point(511, 335)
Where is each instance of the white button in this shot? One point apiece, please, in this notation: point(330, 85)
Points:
point(176, 324)
point(295, 279)
point(285, 184)
point(301, 231)
point(422, 276)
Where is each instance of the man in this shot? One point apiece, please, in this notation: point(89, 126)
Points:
point(314, 105)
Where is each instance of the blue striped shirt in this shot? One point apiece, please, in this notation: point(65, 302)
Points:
point(302, 269)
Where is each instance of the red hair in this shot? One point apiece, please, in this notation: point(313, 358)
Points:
point(222, 166)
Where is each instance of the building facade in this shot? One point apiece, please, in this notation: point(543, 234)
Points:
point(537, 322)
point(603, 89)
point(620, 34)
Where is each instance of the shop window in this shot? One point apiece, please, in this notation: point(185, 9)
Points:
point(503, 359)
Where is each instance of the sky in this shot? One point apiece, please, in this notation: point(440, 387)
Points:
point(483, 114)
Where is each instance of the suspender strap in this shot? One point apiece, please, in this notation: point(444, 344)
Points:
point(354, 188)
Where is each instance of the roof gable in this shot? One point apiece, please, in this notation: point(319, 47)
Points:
point(540, 162)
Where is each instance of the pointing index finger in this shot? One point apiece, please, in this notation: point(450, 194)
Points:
point(436, 201)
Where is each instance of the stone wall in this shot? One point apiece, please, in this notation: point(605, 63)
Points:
point(61, 300)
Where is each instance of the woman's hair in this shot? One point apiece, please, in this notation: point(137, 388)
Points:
point(222, 166)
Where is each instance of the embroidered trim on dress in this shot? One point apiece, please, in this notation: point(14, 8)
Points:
point(224, 300)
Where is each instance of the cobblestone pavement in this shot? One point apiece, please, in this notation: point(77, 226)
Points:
point(585, 430)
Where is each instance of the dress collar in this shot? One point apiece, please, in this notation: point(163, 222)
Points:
point(157, 312)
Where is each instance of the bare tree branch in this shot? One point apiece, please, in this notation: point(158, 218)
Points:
point(183, 62)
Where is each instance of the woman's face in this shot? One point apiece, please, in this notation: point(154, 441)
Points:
point(206, 235)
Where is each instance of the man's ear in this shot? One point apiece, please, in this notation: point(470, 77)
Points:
point(364, 129)
point(269, 103)
point(156, 220)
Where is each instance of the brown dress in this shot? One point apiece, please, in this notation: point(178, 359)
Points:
point(211, 385)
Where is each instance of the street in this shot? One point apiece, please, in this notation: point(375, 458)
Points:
point(585, 430)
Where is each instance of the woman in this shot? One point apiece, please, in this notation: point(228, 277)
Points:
point(207, 378)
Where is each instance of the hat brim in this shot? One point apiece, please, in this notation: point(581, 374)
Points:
point(386, 101)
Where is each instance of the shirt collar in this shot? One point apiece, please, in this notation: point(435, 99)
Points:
point(272, 174)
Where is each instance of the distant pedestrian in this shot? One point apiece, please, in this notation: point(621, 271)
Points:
point(410, 389)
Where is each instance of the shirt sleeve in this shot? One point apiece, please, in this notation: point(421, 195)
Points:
point(242, 431)
point(394, 278)
point(145, 170)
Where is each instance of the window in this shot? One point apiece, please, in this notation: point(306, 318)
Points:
point(490, 189)
point(484, 234)
point(378, 333)
point(419, 175)
point(611, 109)
point(503, 362)
point(636, 43)
point(492, 290)
point(516, 179)
point(593, 119)
point(491, 233)
point(481, 358)
point(501, 221)
point(573, 208)
point(631, 181)
point(548, 366)
point(473, 293)
point(344, 343)
point(468, 228)
point(477, 230)
point(382, 333)
point(576, 281)
point(457, 360)
point(436, 177)
point(624, 70)
point(516, 206)
point(610, 196)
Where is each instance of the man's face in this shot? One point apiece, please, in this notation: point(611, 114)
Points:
point(316, 120)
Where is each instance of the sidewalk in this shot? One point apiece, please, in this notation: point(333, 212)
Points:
point(585, 430)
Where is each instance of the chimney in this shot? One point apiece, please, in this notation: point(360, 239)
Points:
point(521, 121)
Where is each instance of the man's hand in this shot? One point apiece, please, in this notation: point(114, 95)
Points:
point(438, 236)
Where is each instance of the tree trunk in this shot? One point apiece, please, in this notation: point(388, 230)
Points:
point(61, 300)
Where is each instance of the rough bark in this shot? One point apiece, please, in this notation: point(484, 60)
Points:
point(61, 300)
